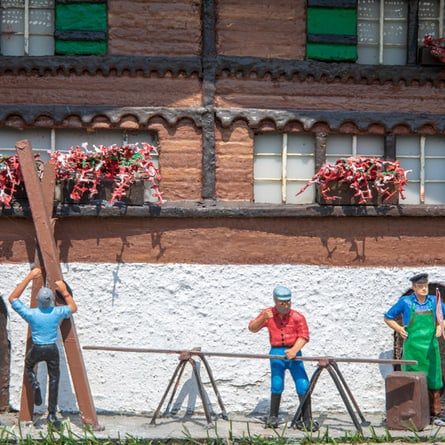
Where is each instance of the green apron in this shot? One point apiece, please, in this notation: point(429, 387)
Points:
point(422, 345)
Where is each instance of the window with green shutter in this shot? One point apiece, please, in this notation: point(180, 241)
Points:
point(81, 27)
point(332, 30)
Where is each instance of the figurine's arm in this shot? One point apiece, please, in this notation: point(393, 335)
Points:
point(15, 294)
point(393, 324)
point(69, 300)
point(256, 324)
point(298, 345)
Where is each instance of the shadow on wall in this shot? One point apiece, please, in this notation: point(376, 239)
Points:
point(5, 354)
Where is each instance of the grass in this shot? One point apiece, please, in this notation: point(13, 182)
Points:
point(66, 436)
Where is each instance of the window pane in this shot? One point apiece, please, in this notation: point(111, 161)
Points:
point(411, 193)
point(307, 197)
point(268, 143)
point(368, 32)
point(370, 146)
point(41, 45)
point(435, 146)
point(12, 20)
point(395, 8)
point(268, 191)
point(368, 8)
point(428, 9)
point(368, 55)
point(40, 140)
point(435, 169)
point(267, 167)
point(434, 193)
point(338, 146)
point(41, 21)
point(395, 32)
point(394, 56)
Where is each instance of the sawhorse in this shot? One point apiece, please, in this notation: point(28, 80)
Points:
point(343, 389)
point(184, 358)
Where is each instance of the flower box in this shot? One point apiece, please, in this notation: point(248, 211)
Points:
point(133, 196)
point(343, 194)
point(359, 181)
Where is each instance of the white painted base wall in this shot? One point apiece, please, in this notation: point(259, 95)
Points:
point(180, 306)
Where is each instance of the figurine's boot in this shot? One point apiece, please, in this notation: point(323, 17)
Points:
point(272, 420)
point(52, 400)
point(434, 397)
point(307, 423)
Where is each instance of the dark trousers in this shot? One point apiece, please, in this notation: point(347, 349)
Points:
point(50, 355)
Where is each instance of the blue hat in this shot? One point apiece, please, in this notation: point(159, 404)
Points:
point(282, 293)
point(419, 278)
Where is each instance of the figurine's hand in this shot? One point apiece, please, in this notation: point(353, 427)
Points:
point(35, 273)
point(61, 286)
point(290, 353)
point(402, 332)
point(268, 314)
point(438, 331)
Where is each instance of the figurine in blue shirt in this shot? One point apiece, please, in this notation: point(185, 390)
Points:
point(419, 332)
point(44, 322)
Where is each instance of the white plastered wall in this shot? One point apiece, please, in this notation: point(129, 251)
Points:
point(179, 307)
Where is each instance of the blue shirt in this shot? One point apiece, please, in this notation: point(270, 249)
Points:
point(405, 303)
point(44, 323)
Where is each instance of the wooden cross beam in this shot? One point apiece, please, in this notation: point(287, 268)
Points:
point(45, 237)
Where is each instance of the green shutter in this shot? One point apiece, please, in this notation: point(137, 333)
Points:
point(331, 30)
point(81, 27)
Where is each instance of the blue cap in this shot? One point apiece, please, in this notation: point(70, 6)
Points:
point(419, 278)
point(282, 293)
point(45, 297)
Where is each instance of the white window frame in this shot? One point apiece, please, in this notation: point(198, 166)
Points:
point(381, 20)
point(422, 180)
point(27, 6)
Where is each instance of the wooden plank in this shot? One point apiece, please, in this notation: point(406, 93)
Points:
point(48, 248)
point(27, 398)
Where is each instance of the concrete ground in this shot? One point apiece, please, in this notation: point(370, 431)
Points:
point(181, 427)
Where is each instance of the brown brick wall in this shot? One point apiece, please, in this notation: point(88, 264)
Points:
point(180, 161)
point(262, 28)
point(169, 27)
point(100, 90)
point(311, 95)
point(234, 163)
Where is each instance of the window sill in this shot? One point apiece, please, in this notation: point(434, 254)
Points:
point(218, 209)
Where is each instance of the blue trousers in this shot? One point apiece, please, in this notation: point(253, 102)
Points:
point(278, 369)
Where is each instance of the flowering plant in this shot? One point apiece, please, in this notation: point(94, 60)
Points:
point(363, 176)
point(121, 164)
point(437, 46)
point(11, 178)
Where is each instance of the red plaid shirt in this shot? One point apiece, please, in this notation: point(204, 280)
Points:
point(284, 331)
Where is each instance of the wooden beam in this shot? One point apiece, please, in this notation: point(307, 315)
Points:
point(49, 253)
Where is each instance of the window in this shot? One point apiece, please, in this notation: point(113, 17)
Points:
point(47, 27)
point(425, 156)
point(283, 163)
point(27, 27)
point(44, 140)
point(382, 27)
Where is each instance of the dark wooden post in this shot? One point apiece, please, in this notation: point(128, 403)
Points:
point(50, 258)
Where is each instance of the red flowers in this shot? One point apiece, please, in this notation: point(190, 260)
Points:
point(437, 46)
point(362, 175)
point(124, 165)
